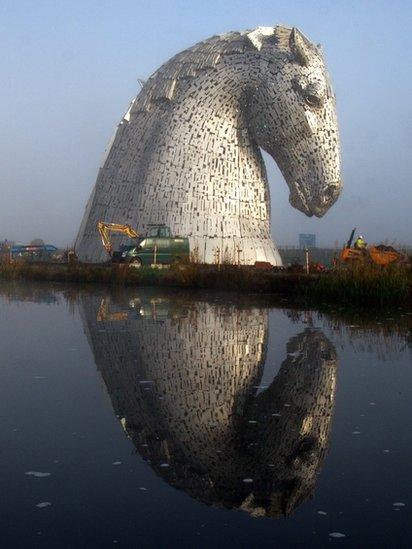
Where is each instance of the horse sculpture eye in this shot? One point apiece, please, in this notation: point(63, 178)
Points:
point(313, 100)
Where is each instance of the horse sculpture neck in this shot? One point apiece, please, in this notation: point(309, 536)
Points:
point(209, 162)
point(184, 156)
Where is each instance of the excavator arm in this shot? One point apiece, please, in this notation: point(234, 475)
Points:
point(105, 228)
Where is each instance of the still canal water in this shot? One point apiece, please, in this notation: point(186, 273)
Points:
point(143, 418)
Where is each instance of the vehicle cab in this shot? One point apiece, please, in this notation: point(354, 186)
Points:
point(158, 231)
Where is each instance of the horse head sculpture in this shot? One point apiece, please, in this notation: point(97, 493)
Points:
point(300, 131)
point(188, 151)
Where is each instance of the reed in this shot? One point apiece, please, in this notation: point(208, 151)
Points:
point(355, 286)
point(364, 285)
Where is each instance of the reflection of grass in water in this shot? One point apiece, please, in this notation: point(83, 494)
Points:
point(366, 330)
point(357, 286)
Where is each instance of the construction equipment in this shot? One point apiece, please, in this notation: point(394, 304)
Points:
point(104, 314)
point(384, 255)
point(379, 255)
point(106, 228)
point(158, 247)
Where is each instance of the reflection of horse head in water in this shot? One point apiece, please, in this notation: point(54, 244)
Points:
point(187, 153)
point(184, 385)
point(292, 419)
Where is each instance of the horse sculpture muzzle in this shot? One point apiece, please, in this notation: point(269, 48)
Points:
point(300, 200)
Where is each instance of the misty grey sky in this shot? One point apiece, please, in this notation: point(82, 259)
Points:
point(69, 70)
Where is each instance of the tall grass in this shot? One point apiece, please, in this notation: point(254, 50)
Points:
point(363, 285)
point(355, 286)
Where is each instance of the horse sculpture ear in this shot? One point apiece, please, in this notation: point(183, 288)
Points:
point(300, 47)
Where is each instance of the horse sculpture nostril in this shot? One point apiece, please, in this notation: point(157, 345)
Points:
point(331, 192)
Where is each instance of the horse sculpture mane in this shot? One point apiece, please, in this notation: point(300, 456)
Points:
point(187, 152)
point(172, 77)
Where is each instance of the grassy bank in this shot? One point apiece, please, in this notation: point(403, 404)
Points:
point(365, 285)
point(362, 286)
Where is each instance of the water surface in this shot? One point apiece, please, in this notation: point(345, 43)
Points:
point(150, 418)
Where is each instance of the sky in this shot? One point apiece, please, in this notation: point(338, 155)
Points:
point(69, 70)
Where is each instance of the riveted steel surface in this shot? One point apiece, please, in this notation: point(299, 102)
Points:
point(187, 152)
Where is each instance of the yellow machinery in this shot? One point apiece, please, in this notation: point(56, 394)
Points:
point(374, 254)
point(380, 255)
point(104, 314)
point(106, 228)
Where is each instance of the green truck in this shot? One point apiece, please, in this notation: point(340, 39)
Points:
point(158, 247)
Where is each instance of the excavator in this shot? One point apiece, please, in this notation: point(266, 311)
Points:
point(379, 255)
point(157, 247)
point(105, 228)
